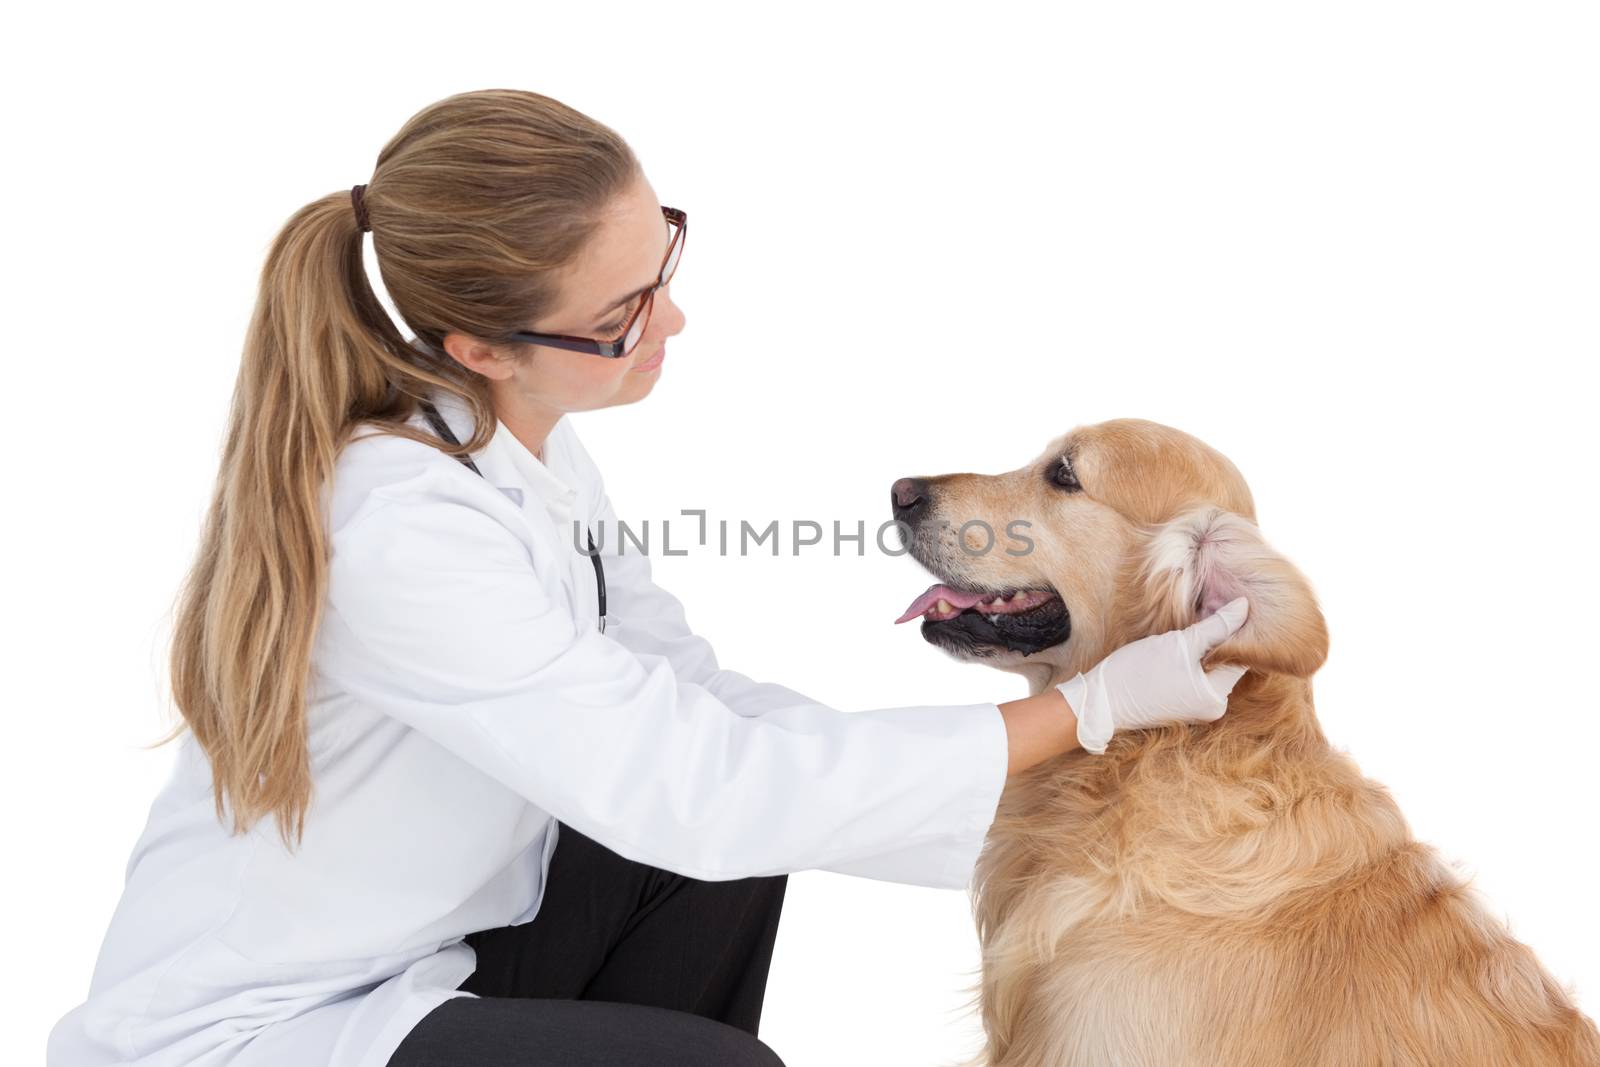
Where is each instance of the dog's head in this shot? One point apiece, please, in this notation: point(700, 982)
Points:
point(1116, 531)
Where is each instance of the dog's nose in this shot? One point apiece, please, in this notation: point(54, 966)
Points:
point(908, 498)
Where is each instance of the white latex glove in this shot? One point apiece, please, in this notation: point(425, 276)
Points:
point(1156, 680)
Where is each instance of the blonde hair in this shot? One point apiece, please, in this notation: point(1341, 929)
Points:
point(476, 205)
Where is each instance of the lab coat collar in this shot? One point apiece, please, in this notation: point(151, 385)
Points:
point(507, 464)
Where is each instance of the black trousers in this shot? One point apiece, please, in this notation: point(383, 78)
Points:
point(625, 965)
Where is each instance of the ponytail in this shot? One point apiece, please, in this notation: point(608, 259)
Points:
point(476, 206)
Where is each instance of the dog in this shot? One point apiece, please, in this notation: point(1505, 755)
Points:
point(1233, 894)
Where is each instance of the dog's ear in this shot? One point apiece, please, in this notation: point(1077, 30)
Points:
point(1202, 559)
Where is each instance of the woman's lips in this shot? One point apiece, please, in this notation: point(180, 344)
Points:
point(654, 361)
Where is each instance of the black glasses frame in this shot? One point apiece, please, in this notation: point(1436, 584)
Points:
point(614, 349)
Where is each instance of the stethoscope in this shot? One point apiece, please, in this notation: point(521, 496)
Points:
point(442, 428)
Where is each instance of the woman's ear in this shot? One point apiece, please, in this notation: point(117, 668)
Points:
point(1199, 561)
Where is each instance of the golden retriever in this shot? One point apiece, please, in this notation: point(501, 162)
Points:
point(1227, 895)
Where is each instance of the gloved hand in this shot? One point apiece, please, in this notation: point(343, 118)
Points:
point(1156, 680)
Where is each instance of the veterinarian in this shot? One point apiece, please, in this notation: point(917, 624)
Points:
point(450, 790)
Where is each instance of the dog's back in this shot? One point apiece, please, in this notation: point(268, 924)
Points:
point(1243, 896)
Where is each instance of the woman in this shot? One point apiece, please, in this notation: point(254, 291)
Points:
point(403, 686)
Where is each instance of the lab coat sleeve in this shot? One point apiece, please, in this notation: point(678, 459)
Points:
point(435, 616)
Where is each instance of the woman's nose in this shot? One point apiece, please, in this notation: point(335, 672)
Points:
point(666, 315)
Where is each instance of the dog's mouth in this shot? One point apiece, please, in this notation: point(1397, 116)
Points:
point(983, 621)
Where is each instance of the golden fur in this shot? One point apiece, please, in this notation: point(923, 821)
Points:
point(1229, 895)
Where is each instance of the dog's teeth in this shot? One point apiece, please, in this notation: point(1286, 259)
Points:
point(1014, 597)
point(943, 606)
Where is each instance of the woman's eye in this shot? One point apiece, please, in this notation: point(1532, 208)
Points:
point(616, 327)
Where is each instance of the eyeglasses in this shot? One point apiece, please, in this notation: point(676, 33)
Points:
point(633, 329)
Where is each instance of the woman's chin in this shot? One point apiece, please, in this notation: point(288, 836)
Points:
point(638, 387)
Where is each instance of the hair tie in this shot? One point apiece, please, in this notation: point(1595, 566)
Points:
point(361, 208)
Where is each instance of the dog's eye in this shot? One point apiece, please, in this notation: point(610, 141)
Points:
point(1063, 476)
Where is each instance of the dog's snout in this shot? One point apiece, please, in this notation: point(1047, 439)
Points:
point(908, 497)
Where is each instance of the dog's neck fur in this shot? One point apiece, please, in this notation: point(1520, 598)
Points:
point(1275, 708)
point(1190, 785)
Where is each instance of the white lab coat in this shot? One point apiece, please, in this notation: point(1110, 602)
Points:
point(462, 700)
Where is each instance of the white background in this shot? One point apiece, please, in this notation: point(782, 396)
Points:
point(1353, 246)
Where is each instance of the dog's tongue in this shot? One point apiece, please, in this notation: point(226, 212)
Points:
point(957, 598)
